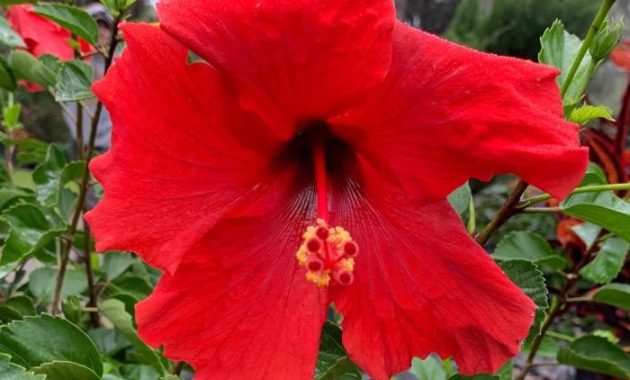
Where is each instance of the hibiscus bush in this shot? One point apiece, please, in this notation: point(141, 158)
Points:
point(308, 189)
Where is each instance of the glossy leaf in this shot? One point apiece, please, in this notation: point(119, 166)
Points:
point(11, 371)
point(64, 370)
point(587, 112)
point(26, 66)
point(332, 362)
point(559, 49)
point(608, 262)
point(53, 174)
point(617, 295)
point(16, 308)
point(74, 82)
point(114, 310)
point(8, 36)
point(37, 340)
point(528, 246)
point(602, 208)
point(75, 19)
point(428, 369)
point(116, 263)
point(596, 354)
point(30, 229)
point(460, 198)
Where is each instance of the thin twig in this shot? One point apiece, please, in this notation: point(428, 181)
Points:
point(93, 302)
point(505, 212)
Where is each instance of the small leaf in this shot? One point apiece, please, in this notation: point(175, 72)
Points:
point(76, 20)
point(52, 174)
point(528, 246)
point(16, 308)
point(25, 66)
point(460, 198)
point(42, 339)
point(559, 49)
point(608, 262)
point(114, 310)
point(332, 362)
point(116, 263)
point(63, 370)
point(10, 371)
point(135, 286)
point(617, 295)
point(601, 208)
point(7, 79)
point(110, 342)
point(587, 112)
point(596, 354)
point(74, 82)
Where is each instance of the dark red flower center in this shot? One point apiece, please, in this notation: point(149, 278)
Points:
point(327, 252)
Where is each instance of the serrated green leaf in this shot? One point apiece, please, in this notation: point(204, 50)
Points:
point(42, 283)
point(601, 208)
point(559, 49)
point(528, 246)
point(114, 310)
point(16, 308)
point(460, 198)
point(608, 262)
point(25, 66)
point(587, 112)
point(74, 82)
point(596, 354)
point(11, 371)
point(75, 19)
point(8, 36)
point(531, 281)
point(63, 370)
point(37, 340)
point(53, 174)
point(30, 229)
point(617, 295)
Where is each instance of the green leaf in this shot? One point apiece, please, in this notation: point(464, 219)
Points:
point(30, 229)
point(8, 36)
point(37, 340)
point(332, 362)
point(63, 370)
point(596, 354)
point(74, 82)
point(601, 208)
point(75, 19)
point(52, 174)
point(460, 198)
point(608, 262)
point(428, 369)
point(528, 246)
point(617, 295)
point(31, 151)
point(25, 66)
point(116, 263)
point(587, 112)
point(559, 49)
point(16, 308)
point(114, 310)
point(7, 79)
point(531, 281)
point(110, 342)
point(42, 283)
point(10, 371)
point(11, 114)
point(135, 286)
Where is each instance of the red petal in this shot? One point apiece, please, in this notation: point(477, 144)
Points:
point(182, 152)
point(423, 286)
point(41, 35)
point(447, 113)
point(293, 59)
point(241, 308)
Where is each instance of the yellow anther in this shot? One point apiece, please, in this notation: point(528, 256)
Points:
point(325, 255)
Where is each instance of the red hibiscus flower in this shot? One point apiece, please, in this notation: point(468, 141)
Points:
point(306, 162)
point(42, 36)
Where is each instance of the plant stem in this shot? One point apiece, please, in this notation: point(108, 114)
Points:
point(541, 210)
point(505, 212)
point(584, 189)
point(84, 186)
point(600, 17)
point(93, 302)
